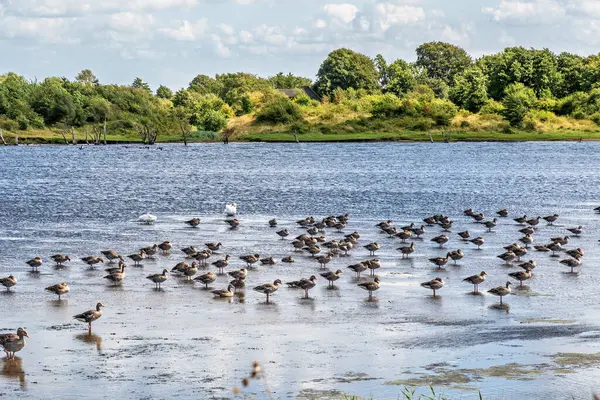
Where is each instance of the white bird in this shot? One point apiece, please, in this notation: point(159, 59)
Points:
point(147, 219)
point(231, 209)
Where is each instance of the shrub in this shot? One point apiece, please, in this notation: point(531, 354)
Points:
point(280, 110)
point(386, 105)
point(491, 107)
point(441, 111)
point(596, 118)
point(213, 121)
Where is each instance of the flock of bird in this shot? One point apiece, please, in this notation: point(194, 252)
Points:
point(323, 251)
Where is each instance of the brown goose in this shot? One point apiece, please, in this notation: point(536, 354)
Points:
point(490, 224)
point(435, 284)
point(158, 279)
point(58, 289)
point(35, 263)
point(551, 219)
point(478, 241)
point(501, 291)
point(117, 277)
point(222, 264)
point(273, 223)
point(373, 265)
point(166, 247)
point(521, 220)
point(137, 258)
point(90, 316)
point(528, 230)
point(214, 246)
point(533, 221)
point(507, 257)
point(233, 223)
point(313, 250)
point(478, 217)
point(268, 261)
point(268, 288)
point(571, 263)
point(60, 259)
point(576, 231)
point(250, 259)
point(520, 252)
point(563, 241)
point(373, 247)
point(191, 271)
point(13, 343)
point(407, 250)
point(111, 255)
point(92, 260)
point(440, 261)
point(419, 231)
point(305, 284)
point(475, 280)
point(324, 260)
point(456, 255)
point(203, 255)
point(521, 276)
point(527, 240)
point(288, 259)
point(441, 239)
point(464, 235)
point(358, 268)
point(332, 276)
point(8, 282)
point(502, 213)
point(404, 235)
point(189, 250)
point(469, 212)
point(554, 247)
point(528, 265)
point(180, 267)
point(150, 251)
point(239, 274)
point(206, 279)
point(370, 286)
point(224, 293)
point(194, 222)
point(575, 253)
point(238, 283)
point(284, 233)
point(542, 248)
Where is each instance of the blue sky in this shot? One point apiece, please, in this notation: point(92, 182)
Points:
point(170, 41)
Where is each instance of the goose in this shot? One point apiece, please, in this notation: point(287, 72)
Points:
point(429, 221)
point(305, 284)
point(373, 247)
point(407, 250)
point(478, 217)
point(528, 265)
point(120, 268)
point(60, 259)
point(58, 289)
point(239, 274)
point(158, 279)
point(370, 286)
point(490, 224)
point(464, 235)
point(571, 263)
point(90, 316)
point(384, 224)
point(313, 250)
point(576, 231)
point(512, 247)
point(475, 280)
point(194, 222)
point(575, 253)
point(551, 219)
point(440, 261)
point(230, 209)
point(35, 263)
point(180, 267)
point(238, 283)
point(554, 247)
point(222, 264)
point(447, 226)
point(137, 258)
point(346, 247)
point(150, 251)
point(502, 213)
point(404, 235)
point(202, 256)
point(521, 220)
point(13, 342)
point(250, 259)
point(533, 221)
point(268, 288)
point(191, 271)
point(597, 209)
point(391, 231)
point(147, 219)
point(206, 279)
point(273, 223)
point(8, 282)
point(268, 261)
point(117, 277)
point(542, 248)
point(233, 223)
point(501, 291)
point(527, 240)
point(298, 245)
point(373, 265)
point(521, 276)
point(288, 259)
point(332, 276)
point(112, 255)
point(408, 227)
point(435, 284)
point(224, 293)
point(189, 250)
point(441, 239)
point(478, 241)
point(520, 252)
point(419, 231)
point(324, 260)
point(311, 231)
point(562, 240)
point(358, 268)
point(92, 260)
point(528, 230)
point(507, 257)
point(165, 246)
point(469, 212)
point(456, 255)
point(215, 246)
point(284, 233)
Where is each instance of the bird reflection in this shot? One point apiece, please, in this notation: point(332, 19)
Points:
point(59, 303)
point(503, 307)
point(14, 369)
point(91, 338)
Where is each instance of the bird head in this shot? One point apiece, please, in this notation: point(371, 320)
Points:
point(277, 282)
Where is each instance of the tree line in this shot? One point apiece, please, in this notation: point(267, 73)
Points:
point(519, 84)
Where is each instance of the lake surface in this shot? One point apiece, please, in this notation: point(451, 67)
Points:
point(181, 342)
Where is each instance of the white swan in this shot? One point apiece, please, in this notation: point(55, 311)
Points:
point(147, 219)
point(231, 209)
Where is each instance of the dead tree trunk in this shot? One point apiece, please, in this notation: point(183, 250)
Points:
point(2, 137)
point(73, 141)
point(86, 134)
point(105, 130)
point(17, 139)
point(184, 131)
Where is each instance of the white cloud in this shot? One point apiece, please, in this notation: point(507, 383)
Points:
point(132, 22)
point(342, 13)
point(586, 7)
point(320, 24)
point(527, 12)
point(390, 14)
point(187, 31)
point(46, 30)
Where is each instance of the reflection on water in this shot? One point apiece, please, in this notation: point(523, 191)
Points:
point(13, 369)
point(91, 338)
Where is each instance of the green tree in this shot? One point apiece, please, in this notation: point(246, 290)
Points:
point(401, 78)
point(204, 84)
point(346, 69)
point(53, 102)
point(289, 81)
point(87, 77)
point(279, 110)
point(99, 109)
point(383, 71)
point(213, 121)
point(138, 83)
point(164, 92)
point(470, 89)
point(518, 100)
point(442, 60)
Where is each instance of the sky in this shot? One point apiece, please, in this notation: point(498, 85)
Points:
point(171, 41)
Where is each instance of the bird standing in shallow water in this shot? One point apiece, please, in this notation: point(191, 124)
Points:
point(501, 291)
point(60, 259)
point(332, 276)
point(90, 316)
point(370, 286)
point(58, 289)
point(268, 288)
point(475, 280)
point(305, 284)
point(158, 279)
point(13, 342)
point(206, 279)
point(435, 284)
point(35, 263)
point(8, 282)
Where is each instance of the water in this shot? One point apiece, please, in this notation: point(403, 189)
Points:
point(180, 341)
